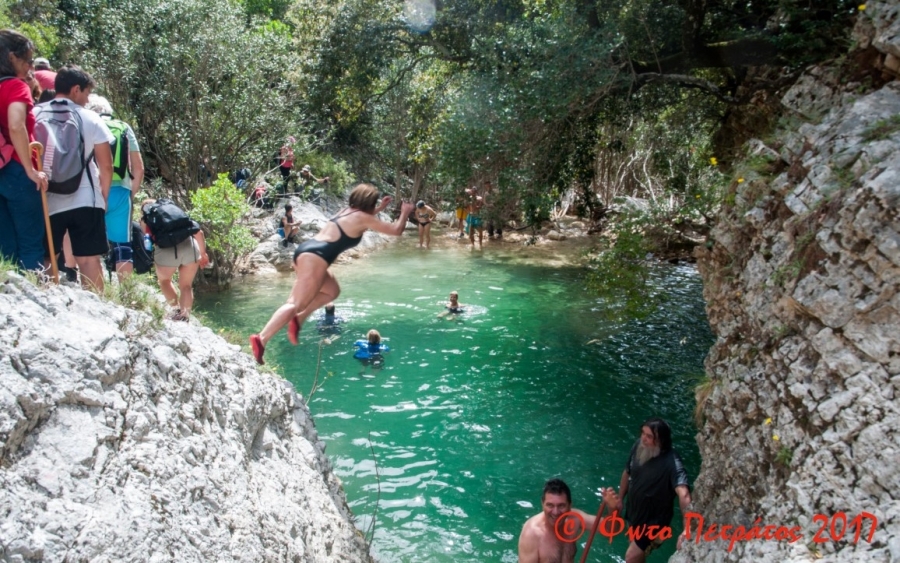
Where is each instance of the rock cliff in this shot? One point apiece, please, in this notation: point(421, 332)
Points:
point(801, 422)
point(124, 438)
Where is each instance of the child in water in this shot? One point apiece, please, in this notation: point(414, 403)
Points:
point(371, 347)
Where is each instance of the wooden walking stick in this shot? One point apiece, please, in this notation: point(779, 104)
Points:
point(54, 268)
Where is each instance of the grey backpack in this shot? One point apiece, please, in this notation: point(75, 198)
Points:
point(59, 128)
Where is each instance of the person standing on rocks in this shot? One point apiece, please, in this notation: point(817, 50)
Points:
point(82, 213)
point(315, 285)
point(494, 211)
point(425, 215)
point(127, 175)
point(654, 476)
point(462, 211)
point(21, 215)
point(287, 160)
point(44, 74)
point(474, 219)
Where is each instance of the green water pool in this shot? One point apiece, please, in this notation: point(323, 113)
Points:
point(457, 432)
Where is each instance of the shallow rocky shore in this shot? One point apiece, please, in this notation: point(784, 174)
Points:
point(124, 438)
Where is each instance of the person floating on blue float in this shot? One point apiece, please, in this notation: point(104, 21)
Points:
point(371, 349)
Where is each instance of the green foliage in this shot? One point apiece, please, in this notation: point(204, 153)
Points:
point(787, 273)
point(133, 293)
point(620, 275)
point(6, 266)
point(220, 208)
point(274, 9)
point(703, 390)
point(35, 19)
point(882, 129)
point(340, 177)
point(203, 85)
point(784, 456)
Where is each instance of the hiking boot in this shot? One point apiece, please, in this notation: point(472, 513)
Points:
point(258, 348)
point(293, 330)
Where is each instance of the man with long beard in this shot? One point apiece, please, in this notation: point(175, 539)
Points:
point(653, 477)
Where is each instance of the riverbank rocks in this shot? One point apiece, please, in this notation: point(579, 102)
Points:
point(123, 438)
point(801, 424)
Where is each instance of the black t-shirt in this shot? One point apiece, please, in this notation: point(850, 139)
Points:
point(651, 488)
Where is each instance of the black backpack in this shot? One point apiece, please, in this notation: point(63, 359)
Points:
point(169, 224)
point(143, 260)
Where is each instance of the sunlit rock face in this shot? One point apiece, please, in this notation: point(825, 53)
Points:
point(128, 439)
point(801, 426)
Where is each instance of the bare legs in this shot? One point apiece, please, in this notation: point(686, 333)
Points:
point(425, 235)
point(472, 230)
point(314, 287)
point(184, 297)
point(634, 554)
point(91, 273)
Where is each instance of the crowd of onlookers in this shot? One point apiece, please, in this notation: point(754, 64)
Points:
point(70, 199)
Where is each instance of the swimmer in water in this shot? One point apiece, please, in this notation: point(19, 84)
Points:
point(453, 307)
point(370, 350)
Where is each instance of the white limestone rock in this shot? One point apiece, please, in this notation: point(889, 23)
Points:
point(123, 441)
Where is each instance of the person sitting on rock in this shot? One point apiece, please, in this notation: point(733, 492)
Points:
point(289, 226)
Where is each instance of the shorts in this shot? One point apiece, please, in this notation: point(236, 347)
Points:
point(475, 221)
point(184, 253)
point(118, 214)
point(122, 252)
point(87, 230)
point(461, 213)
point(646, 545)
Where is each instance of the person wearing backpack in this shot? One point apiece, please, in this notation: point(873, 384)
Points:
point(78, 162)
point(128, 173)
point(21, 215)
point(179, 246)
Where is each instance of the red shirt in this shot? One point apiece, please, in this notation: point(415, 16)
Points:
point(11, 91)
point(287, 157)
point(46, 78)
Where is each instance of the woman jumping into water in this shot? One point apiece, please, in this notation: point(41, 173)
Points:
point(315, 285)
